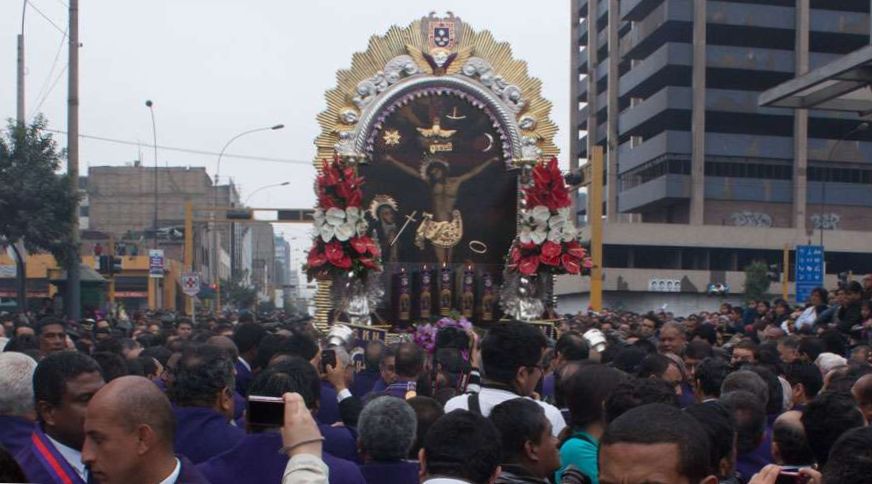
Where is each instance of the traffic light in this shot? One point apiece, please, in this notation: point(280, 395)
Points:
point(239, 214)
point(103, 264)
point(115, 265)
point(774, 273)
point(109, 265)
point(295, 215)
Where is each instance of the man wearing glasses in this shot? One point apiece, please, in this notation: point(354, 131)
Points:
point(511, 354)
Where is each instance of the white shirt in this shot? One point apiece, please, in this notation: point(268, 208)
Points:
point(73, 457)
point(175, 475)
point(807, 318)
point(488, 398)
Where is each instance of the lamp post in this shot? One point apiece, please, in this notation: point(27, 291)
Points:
point(215, 251)
point(150, 106)
point(20, 70)
point(857, 129)
point(283, 184)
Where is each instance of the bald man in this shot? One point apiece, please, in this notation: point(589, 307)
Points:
point(862, 392)
point(789, 444)
point(129, 431)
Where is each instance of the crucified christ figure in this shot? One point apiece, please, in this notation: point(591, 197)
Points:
point(443, 195)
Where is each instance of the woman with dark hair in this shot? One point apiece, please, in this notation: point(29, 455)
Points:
point(816, 305)
point(584, 391)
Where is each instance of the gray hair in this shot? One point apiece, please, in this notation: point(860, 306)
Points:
point(386, 428)
point(16, 383)
point(748, 381)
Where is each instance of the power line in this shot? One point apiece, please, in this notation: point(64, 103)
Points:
point(43, 93)
point(189, 150)
point(47, 19)
point(50, 89)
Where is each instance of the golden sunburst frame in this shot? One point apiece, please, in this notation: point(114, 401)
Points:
point(432, 53)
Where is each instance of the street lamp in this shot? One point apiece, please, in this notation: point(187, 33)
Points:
point(217, 279)
point(20, 70)
point(857, 129)
point(283, 184)
point(150, 106)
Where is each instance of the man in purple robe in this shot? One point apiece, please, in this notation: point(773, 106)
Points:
point(129, 428)
point(386, 431)
point(16, 401)
point(256, 457)
point(63, 384)
point(203, 403)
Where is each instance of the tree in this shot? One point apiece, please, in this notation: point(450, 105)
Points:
point(756, 281)
point(36, 202)
point(236, 292)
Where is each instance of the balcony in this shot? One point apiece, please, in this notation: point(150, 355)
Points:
point(654, 192)
point(748, 146)
point(637, 9)
point(671, 21)
point(835, 193)
point(668, 98)
point(847, 151)
point(748, 189)
point(668, 65)
point(653, 148)
point(839, 22)
point(750, 15)
point(749, 58)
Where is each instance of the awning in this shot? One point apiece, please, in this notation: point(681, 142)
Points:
point(841, 85)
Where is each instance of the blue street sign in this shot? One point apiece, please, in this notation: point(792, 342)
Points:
point(809, 270)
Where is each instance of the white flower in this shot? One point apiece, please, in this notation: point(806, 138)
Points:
point(564, 212)
point(540, 214)
point(327, 231)
point(319, 217)
point(352, 214)
point(556, 222)
point(345, 231)
point(569, 233)
point(528, 235)
point(335, 216)
point(362, 227)
point(555, 235)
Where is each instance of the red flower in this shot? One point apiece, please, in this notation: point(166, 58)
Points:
point(344, 262)
point(359, 244)
point(334, 252)
point(570, 264)
point(528, 245)
point(529, 265)
point(515, 254)
point(551, 249)
point(369, 263)
point(316, 258)
point(575, 250)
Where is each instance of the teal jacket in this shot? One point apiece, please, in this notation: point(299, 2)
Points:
point(581, 451)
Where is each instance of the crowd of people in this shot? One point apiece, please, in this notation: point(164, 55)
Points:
point(762, 394)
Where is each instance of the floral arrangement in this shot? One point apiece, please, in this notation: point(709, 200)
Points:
point(341, 243)
point(425, 334)
point(547, 241)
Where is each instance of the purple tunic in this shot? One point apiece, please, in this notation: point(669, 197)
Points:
point(257, 459)
point(392, 472)
point(203, 433)
point(15, 433)
point(42, 463)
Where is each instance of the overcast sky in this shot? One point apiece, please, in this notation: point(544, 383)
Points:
point(216, 67)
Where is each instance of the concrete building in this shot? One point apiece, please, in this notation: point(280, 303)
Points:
point(283, 272)
point(263, 253)
point(700, 180)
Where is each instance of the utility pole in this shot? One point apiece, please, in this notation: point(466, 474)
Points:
point(18, 246)
point(595, 220)
point(785, 272)
point(73, 276)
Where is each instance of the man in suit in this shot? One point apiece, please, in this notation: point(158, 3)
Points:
point(129, 430)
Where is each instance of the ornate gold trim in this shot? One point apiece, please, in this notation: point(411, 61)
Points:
point(342, 114)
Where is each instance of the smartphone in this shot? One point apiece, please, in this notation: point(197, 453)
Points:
point(790, 475)
point(265, 412)
point(328, 357)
